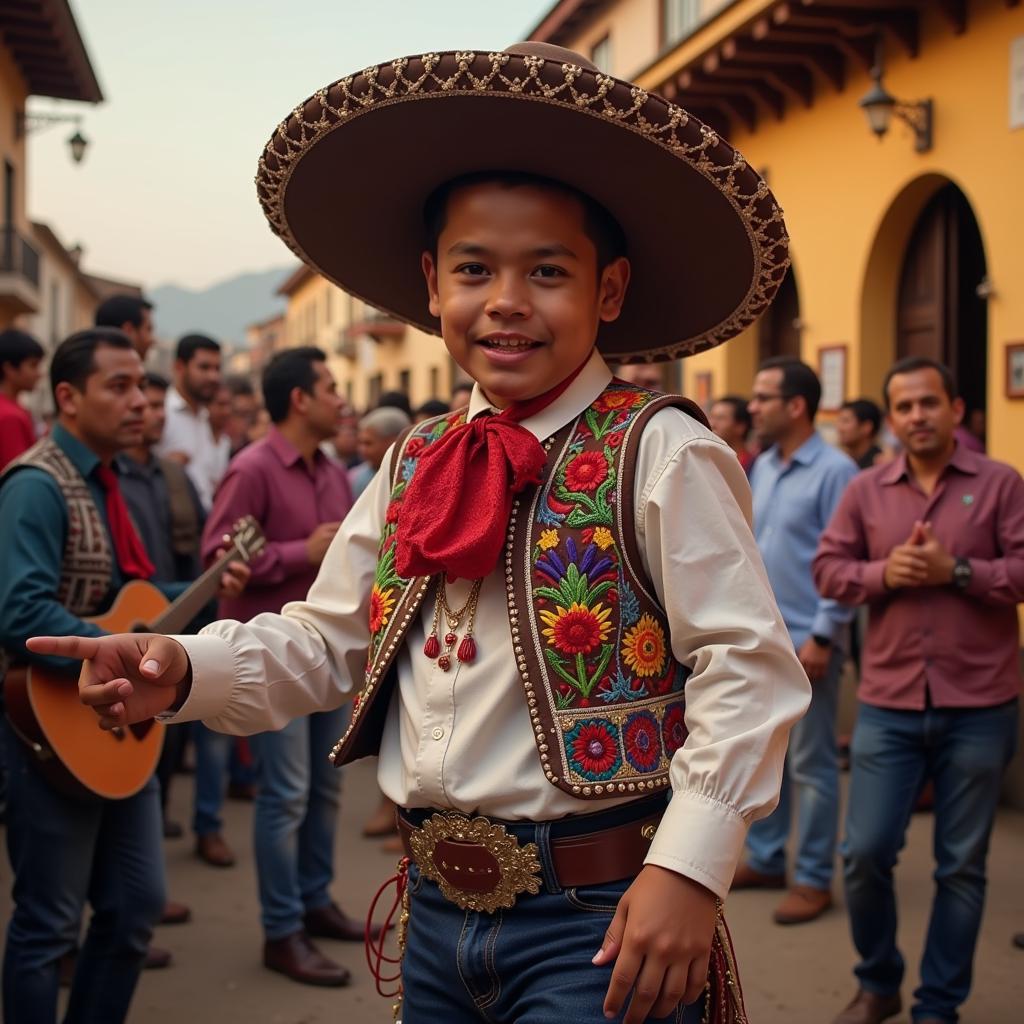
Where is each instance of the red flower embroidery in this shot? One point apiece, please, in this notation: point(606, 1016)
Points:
point(576, 629)
point(614, 440)
point(415, 446)
point(594, 748)
point(618, 400)
point(640, 736)
point(392, 513)
point(586, 472)
point(673, 729)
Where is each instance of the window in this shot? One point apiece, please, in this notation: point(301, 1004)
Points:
point(435, 382)
point(376, 383)
point(405, 381)
point(601, 54)
point(678, 19)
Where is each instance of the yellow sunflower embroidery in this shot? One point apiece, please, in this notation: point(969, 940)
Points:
point(548, 539)
point(382, 604)
point(643, 648)
point(576, 629)
point(603, 537)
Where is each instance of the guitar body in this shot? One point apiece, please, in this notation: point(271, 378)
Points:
point(74, 753)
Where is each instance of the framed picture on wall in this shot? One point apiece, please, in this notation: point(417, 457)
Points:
point(703, 389)
point(832, 371)
point(1015, 369)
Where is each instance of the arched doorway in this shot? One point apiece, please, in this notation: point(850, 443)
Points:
point(779, 328)
point(939, 311)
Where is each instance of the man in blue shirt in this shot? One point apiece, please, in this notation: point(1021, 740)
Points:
point(68, 548)
point(797, 484)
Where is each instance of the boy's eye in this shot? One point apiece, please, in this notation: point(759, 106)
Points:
point(547, 270)
point(474, 269)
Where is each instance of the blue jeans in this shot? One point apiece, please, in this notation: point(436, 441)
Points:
point(530, 964)
point(964, 752)
point(213, 752)
point(296, 811)
point(811, 775)
point(64, 852)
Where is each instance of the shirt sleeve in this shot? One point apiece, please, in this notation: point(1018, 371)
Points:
point(255, 676)
point(841, 567)
point(1000, 581)
point(746, 687)
point(33, 525)
point(16, 437)
point(831, 616)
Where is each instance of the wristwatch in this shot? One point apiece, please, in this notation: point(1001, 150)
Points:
point(962, 574)
point(821, 641)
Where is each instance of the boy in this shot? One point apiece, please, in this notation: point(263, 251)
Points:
point(532, 584)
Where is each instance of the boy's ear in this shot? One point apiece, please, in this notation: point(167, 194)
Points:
point(612, 289)
point(430, 273)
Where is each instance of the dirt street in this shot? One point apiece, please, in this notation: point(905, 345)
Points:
point(791, 976)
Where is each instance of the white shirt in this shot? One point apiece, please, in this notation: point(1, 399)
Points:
point(189, 432)
point(462, 739)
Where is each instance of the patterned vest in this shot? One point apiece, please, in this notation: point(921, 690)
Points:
point(87, 566)
point(591, 642)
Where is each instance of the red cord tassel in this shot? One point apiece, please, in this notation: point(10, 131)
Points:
point(432, 648)
point(467, 649)
point(375, 956)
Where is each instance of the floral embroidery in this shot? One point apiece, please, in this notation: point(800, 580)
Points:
point(673, 728)
point(643, 649)
point(603, 538)
point(548, 540)
point(586, 472)
point(593, 749)
point(382, 604)
point(415, 446)
point(641, 741)
point(629, 605)
point(578, 629)
point(624, 399)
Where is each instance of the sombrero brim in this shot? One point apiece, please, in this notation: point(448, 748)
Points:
point(343, 182)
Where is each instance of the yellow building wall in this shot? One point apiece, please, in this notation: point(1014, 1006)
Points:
point(13, 93)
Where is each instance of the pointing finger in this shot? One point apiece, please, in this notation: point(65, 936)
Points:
point(65, 646)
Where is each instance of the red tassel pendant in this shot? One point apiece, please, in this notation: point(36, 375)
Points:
point(444, 663)
point(467, 649)
point(432, 648)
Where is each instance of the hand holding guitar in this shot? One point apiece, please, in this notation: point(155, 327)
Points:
point(127, 677)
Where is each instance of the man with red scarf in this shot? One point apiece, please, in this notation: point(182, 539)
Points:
point(69, 545)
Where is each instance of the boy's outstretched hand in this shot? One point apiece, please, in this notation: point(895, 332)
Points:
point(660, 940)
point(127, 677)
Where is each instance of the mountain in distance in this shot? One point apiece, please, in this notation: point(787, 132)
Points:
point(223, 310)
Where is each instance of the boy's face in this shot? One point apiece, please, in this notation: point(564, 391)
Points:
point(516, 287)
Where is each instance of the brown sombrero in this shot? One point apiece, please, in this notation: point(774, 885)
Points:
point(343, 181)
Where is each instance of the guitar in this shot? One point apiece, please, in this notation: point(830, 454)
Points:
point(72, 751)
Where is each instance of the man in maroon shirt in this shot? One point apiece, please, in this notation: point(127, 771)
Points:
point(299, 496)
point(20, 356)
point(933, 543)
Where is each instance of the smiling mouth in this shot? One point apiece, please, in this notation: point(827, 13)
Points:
point(509, 343)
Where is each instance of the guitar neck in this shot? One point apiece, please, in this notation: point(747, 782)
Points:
point(189, 603)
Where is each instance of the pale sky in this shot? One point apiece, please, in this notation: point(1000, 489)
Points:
point(193, 90)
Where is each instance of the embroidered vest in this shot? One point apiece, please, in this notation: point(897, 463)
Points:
point(591, 642)
point(87, 565)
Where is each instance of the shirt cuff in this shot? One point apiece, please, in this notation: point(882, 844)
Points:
point(700, 838)
point(982, 577)
point(824, 626)
point(293, 555)
point(213, 678)
point(873, 578)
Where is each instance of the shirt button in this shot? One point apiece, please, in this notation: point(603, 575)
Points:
point(437, 732)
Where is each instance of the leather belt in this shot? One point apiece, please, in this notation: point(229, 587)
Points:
point(480, 865)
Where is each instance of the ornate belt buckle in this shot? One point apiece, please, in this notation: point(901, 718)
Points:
point(476, 864)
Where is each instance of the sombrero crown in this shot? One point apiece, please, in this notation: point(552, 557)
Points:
point(344, 179)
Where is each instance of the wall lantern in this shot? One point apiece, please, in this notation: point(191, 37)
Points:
point(879, 106)
point(25, 124)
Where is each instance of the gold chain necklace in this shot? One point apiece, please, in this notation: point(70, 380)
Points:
point(453, 618)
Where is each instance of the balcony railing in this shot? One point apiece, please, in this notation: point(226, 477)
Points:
point(18, 257)
point(376, 325)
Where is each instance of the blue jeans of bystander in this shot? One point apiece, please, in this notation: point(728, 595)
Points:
point(65, 852)
point(295, 815)
point(964, 751)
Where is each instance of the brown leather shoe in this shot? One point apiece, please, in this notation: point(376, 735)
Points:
point(869, 1008)
point(801, 904)
point(297, 957)
point(175, 913)
point(157, 958)
point(214, 850)
point(747, 878)
point(331, 922)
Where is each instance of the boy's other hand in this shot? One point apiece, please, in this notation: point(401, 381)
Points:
point(127, 677)
point(319, 541)
point(660, 940)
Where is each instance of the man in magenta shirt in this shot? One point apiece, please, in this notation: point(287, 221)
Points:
point(933, 543)
point(20, 356)
point(299, 496)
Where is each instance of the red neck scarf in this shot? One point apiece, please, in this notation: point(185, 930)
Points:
point(456, 508)
point(131, 555)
